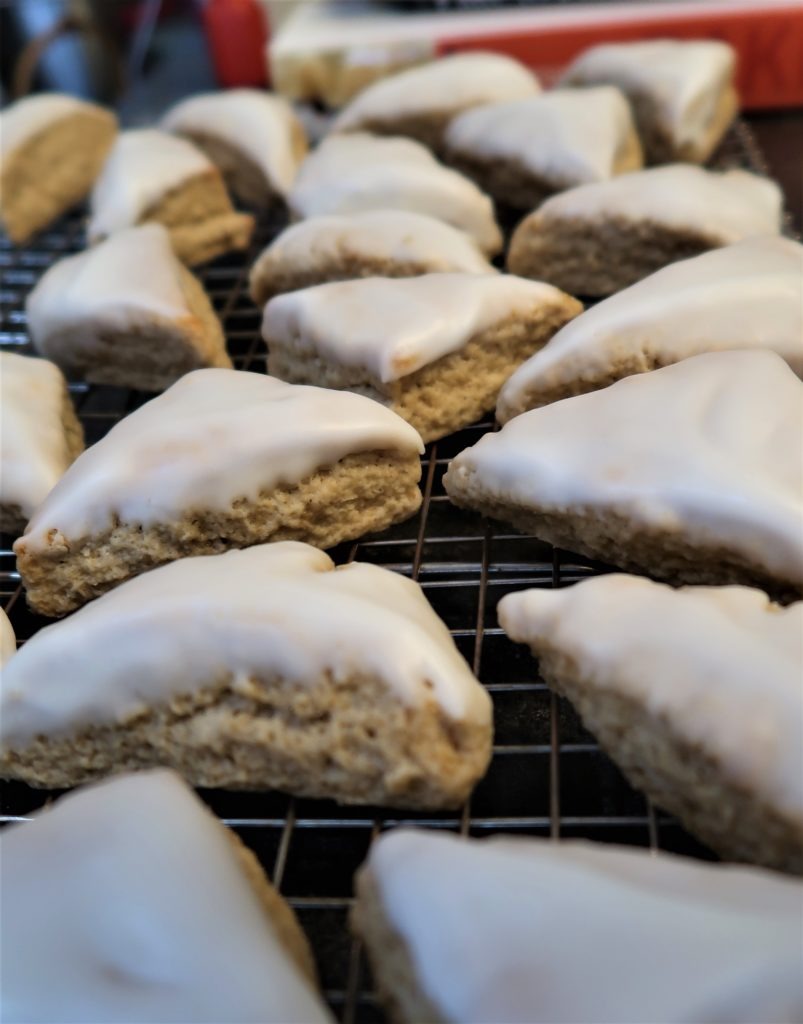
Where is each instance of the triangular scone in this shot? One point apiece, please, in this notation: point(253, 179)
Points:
point(696, 693)
point(350, 173)
point(52, 148)
point(692, 473)
point(223, 459)
point(435, 349)
point(253, 136)
point(385, 243)
point(8, 642)
point(264, 668)
point(596, 239)
point(136, 904)
point(420, 101)
point(152, 175)
point(126, 312)
point(522, 151)
point(529, 931)
point(747, 295)
point(682, 92)
point(39, 435)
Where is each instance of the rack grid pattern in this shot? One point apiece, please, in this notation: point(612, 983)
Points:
point(548, 776)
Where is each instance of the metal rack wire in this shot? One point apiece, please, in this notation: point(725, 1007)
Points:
point(547, 778)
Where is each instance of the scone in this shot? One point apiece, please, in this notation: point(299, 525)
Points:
point(682, 92)
point(692, 473)
point(258, 669)
point(136, 904)
point(420, 101)
point(52, 148)
point(435, 349)
point(8, 642)
point(223, 459)
point(252, 136)
point(747, 295)
point(125, 312)
point(383, 243)
point(695, 693)
point(528, 931)
point(152, 175)
point(350, 173)
point(596, 239)
point(39, 435)
point(522, 151)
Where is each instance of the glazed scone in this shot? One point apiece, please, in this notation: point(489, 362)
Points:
point(120, 894)
point(223, 459)
point(695, 693)
point(692, 473)
point(252, 136)
point(8, 642)
point(525, 150)
point(125, 312)
point(151, 175)
point(52, 148)
point(267, 668)
point(420, 101)
point(382, 243)
point(350, 173)
point(597, 239)
point(435, 349)
point(682, 92)
point(529, 931)
point(39, 435)
point(747, 295)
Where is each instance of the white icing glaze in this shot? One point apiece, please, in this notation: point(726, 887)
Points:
point(33, 448)
point(722, 665)
point(273, 610)
point(131, 899)
point(711, 447)
point(257, 123)
point(747, 295)
point(143, 166)
point(452, 83)
point(684, 79)
point(25, 118)
point(726, 206)
point(535, 932)
point(567, 136)
point(349, 173)
point(399, 236)
point(8, 642)
point(125, 281)
point(214, 436)
point(394, 326)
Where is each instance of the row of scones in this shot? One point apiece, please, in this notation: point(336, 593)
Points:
point(660, 430)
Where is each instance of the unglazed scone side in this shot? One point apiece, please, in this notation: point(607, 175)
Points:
point(576, 255)
point(392, 964)
point(53, 170)
point(348, 739)
point(676, 774)
point(445, 395)
point(610, 535)
point(127, 313)
point(360, 494)
point(201, 220)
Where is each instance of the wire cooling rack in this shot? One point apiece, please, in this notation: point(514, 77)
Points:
point(547, 777)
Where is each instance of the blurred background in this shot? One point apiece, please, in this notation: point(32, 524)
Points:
point(142, 55)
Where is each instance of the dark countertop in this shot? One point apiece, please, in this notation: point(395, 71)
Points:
point(780, 136)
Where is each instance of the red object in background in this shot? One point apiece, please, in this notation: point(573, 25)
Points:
point(237, 35)
point(768, 40)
